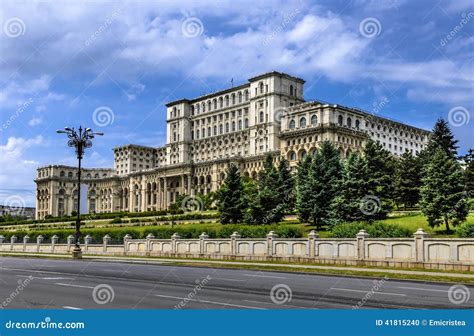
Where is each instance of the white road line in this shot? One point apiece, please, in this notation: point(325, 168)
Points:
point(43, 278)
point(263, 276)
point(212, 302)
point(72, 308)
point(225, 279)
point(425, 289)
point(283, 305)
point(72, 285)
point(367, 291)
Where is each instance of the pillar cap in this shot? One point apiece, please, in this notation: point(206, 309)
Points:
point(362, 234)
point(175, 236)
point(203, 235)
point(272, 234)
point(150, 236)
point(127, 236)
point(313, 234)
point(235, 235)
point(420, 233)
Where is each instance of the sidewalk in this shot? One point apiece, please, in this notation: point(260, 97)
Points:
point(159, 261)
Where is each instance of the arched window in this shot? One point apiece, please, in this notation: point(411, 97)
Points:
point(246, 123)
point(203, 132)
point(197, 134)
point(69, 175)
point(226, 100)
point(203, 107)
point(291, 90)
point(209, 105)
point(246, 95)
point(261, 87)
point(215, 104)
point(302, 122)
point(209, 131)
point(233, 126)
point(261, 117)
point(233, 99)
point(240, 125)
point(291, 156)
point(221, 102)
point(349, 122)
point(314, 119)
point(303, 154)
point(227, 127)
point(62, 174)
point(357, 124)
point(339, 120)
point(292, 124)
point(198, 108)
point(221, 129)
point(240, 97)
point(215, 130)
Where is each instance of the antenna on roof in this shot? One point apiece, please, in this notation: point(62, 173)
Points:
point(232, 82)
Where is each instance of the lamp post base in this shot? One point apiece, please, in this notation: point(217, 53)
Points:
point(77, 253)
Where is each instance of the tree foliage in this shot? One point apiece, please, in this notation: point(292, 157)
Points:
point(231, 197)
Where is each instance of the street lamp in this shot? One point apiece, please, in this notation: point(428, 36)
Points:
point(80, 139)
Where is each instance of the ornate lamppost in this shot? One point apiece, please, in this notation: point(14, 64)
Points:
point(80, 140)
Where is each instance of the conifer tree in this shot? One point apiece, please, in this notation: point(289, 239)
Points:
point(380, 177)
point(442, 192)
point(352, 190)
point(303, 189)
point(408, 180)
point(285, 187)
point(231, 197)
point(441, 137)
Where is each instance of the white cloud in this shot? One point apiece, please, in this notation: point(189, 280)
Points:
point(35, 121)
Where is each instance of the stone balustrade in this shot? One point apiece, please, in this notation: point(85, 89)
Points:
point(419, 251)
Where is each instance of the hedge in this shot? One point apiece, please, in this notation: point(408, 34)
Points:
point(375, 230)
point(466, 230)
point(166, 231)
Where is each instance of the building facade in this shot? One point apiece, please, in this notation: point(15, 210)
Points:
point(267, 115)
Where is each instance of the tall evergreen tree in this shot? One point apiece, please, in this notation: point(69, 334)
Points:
point(285, 187)
point(231, 197)
point(441, 137)
point(380, 173)
point(265, 209)
point(442, 197)
point(303, 189)
point(324, 177)
point(353, 188)
point(408, 180)
point(469, 172)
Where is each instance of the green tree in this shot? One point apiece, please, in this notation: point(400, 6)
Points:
point(408, 180)
point(324, 177)
point(303, 189)
point(441, 137)
point(231, 197)
point(469, 172)
point(380, 173)
point(442, 197)
point(285, 187)
point(346, 206)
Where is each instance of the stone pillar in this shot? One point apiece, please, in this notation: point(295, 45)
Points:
point(106, 241)
point(420, 236)
point(25, 241)
point(149, 237)
point(54, 241)
point(126, 238)
point(165, 194)
point(202, 247)
point(233, 243)
point(174, 237)
point(361, 236)
point(190, 190)
point(39, 240)
point(70, 241)
point(87, 241)
point(270, 238)
point(312, 236)
point(13, 240)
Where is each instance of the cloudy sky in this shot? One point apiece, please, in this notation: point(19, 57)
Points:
point(113, 65)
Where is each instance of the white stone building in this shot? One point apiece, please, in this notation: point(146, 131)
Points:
point(241, 124)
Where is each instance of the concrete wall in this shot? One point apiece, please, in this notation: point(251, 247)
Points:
point(420, 251)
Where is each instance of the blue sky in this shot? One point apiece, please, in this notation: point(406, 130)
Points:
point(61, 61)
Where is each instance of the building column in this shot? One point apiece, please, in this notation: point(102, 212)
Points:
point(165, 194)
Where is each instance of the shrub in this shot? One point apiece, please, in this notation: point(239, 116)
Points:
point(466, 230)
point(116, 220)
point(375, 230)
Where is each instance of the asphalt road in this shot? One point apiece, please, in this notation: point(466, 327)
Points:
point(69, 284)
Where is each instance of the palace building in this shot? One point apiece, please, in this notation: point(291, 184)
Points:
point(242, 124)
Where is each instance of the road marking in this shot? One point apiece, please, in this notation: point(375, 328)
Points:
point(263, 276)
point(225, 279)
point(43, 278)
point(282, 305)
point(367, 291)
point(72, 285)
point(212, 302)
point(425, 289)
point(73, 308)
